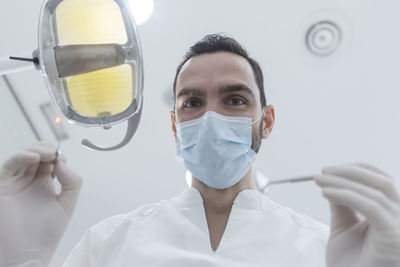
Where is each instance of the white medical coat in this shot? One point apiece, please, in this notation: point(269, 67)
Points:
point(174, 233)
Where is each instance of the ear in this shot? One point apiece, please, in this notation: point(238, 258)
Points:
point(268, 121)
point(172, 115)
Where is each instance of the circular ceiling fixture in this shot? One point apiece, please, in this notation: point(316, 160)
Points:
point(323, 38)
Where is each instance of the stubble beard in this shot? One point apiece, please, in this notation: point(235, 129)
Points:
point(256, 138)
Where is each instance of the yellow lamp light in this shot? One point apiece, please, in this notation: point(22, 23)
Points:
point(90, 56)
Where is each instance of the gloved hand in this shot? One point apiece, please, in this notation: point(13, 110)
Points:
point(365, 208)
point(33, 217)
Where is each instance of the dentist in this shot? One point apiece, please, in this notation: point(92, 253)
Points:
point(219, 119)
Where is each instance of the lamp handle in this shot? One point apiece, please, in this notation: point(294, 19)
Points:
point(8, 65)
point(133, 123)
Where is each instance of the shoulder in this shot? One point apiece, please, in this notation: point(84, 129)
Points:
point(87, 251)
point(301, 220)
point(280, 215)
point(109, 225)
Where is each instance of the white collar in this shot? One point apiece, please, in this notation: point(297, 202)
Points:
point(246, 199)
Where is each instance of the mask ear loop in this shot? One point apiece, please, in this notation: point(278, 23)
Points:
point(262, 113)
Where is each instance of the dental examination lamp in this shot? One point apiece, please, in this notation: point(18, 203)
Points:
point(91, 61)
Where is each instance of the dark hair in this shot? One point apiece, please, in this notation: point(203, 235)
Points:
point(213, 43)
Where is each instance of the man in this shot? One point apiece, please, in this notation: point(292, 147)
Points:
point(219, 119)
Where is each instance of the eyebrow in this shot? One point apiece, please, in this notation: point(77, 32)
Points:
point(191, 92)
point(223, 90)
point(236, 88)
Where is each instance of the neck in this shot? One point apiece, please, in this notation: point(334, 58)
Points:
point(219, 201)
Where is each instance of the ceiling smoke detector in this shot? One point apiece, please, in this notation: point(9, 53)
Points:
point(323, 38)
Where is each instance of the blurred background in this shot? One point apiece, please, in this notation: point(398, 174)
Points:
point(331, 71)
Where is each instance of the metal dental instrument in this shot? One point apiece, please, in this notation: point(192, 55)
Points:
point(58, 152)
point(284, 181)
point(55, 160)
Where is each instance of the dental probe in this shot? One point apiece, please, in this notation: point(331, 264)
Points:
point(290, 180)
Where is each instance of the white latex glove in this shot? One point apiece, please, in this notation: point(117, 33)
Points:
point(33, 217)
point(365, 225)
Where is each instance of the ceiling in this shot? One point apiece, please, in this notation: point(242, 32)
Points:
point(329, 110)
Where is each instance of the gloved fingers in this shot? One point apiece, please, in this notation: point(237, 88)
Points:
point(70, 187)
point(45, 169)
point(45, 179)
point(51, 152)
point(372, 168)
point(19, 163)
point(62, 158)
point(366, 177)
point(366, 191)
point(342, 218)
point(31, 170)
point(57, 154)
point(377, 216)
point(46, 151)
point(18, 172)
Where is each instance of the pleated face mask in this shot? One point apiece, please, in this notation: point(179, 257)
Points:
point(216, 149)
point(91, 60)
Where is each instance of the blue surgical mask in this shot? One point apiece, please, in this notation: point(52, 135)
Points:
point(216, 149)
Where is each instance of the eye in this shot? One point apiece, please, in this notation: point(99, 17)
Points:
point(191, 103)
point(236, 101)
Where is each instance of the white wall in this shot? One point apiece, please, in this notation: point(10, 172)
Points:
point(342, 108)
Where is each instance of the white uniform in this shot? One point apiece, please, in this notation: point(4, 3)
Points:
point(175, 233)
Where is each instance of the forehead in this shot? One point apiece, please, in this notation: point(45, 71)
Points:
point(215, 70)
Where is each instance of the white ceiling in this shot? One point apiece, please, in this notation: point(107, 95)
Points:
point(329, 110)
